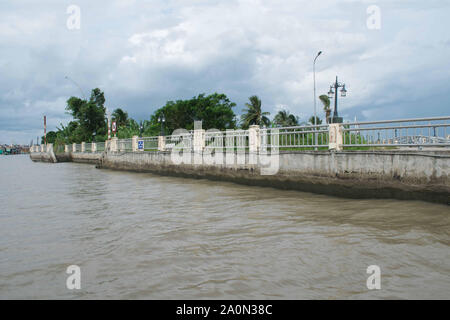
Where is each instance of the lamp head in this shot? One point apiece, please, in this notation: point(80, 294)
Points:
point(330, 93)
point(343, 91)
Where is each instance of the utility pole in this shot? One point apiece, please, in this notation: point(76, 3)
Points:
point(315, 112)
point(45, 130)
point(314, 79)
point(109, 124)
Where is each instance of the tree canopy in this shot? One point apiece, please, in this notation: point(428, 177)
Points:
point(317, 121)
point(284, 119)
point(89, 119)
point(51, 137)
point(121, 117)
point(215, 111)
point(253, 114)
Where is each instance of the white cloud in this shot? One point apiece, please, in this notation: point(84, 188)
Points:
point(145, 53)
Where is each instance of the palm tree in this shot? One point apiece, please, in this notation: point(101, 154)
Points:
point(326, 106)
point(317, 121)
point(285, 119)
point(253, 114)
point(121, 117)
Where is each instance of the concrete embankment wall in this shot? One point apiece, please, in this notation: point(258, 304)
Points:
point(42, 157)
point(79, 157)
point(86, 157)
point(351, 174)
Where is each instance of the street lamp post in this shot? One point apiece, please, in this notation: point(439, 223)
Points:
point(336, 86)
point(314, 80)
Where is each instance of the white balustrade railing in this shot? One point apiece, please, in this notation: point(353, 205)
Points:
point(419, 132)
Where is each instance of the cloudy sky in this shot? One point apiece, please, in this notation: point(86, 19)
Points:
point(143, 53)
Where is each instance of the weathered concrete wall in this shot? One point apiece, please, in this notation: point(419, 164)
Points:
point(80, 157)
point(86, 157)
point(41, 157)
point(400, 175)
point(63, 157)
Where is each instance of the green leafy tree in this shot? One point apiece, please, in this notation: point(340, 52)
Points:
point(326, 106)
point(89, 115)
point(130, 129)
point(284, 119)
point(121, 117)
point(253, 114)
point(318, 121)
point(215, 111)
point(51, 137)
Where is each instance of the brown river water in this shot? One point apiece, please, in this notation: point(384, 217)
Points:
point(142, 236)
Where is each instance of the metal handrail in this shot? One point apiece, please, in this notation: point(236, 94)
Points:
point(397, 120)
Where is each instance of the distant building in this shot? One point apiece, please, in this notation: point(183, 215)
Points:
point(14, 149)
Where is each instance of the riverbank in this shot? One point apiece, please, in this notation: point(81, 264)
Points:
point(403, 175)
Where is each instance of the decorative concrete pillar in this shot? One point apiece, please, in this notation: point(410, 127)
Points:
point(94, 147)
point(74, 147)
point(83, 146)
point(254, 140)
point(199, 137)
point(336, 136)
point(49, 147)
point(42, 148)
point(114, 144)
point(66, 148)
point(134, 143)
point(161, 143)
point(199, 140)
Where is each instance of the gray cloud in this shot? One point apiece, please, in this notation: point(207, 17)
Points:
point(143, 54)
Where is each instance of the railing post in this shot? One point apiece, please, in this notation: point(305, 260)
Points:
point(93, 147)
point(254, 140)
point(161, 143)
point(114, 144)
point(74, 147)
point(134, 143)
point(66, 148)
point(199, 137)
point(336, 136)
point(83, 146)
point(42, 148)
